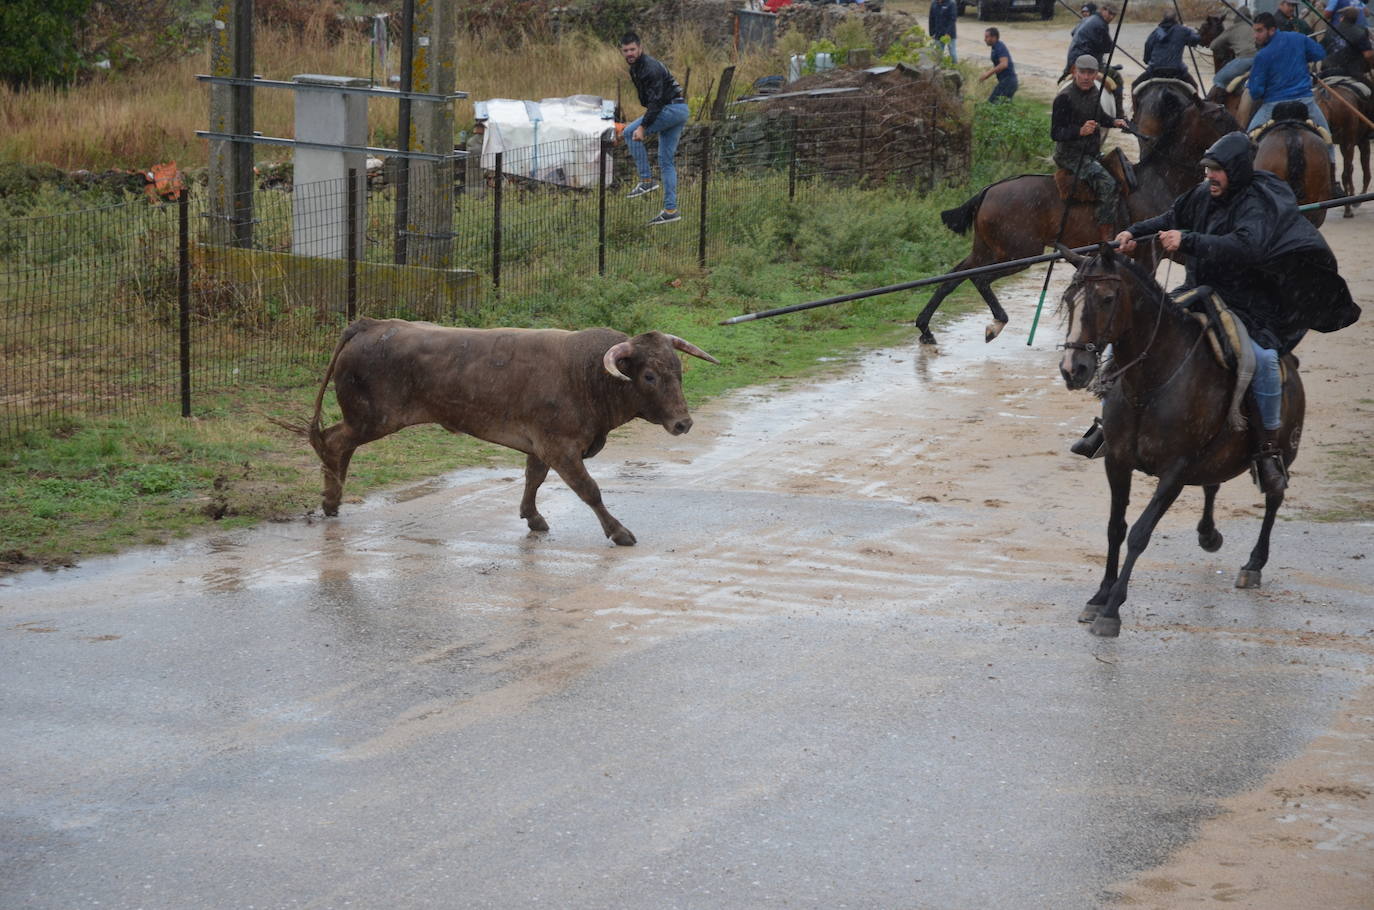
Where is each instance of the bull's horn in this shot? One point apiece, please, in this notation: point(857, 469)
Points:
point(617, 351)
point(688, 348)
point(1073, 258)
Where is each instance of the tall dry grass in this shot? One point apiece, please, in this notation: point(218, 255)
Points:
point(136, 120)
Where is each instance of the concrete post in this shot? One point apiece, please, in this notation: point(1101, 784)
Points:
point(231, 111)
point(435, 33)
point(319, 214)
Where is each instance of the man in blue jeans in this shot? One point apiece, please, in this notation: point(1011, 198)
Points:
point(1280, 74)
point(665, 114)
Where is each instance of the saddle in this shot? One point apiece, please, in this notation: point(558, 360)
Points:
point(1116, 163)
point(1292, 114)
point(1358, 85)
point(1229, 342)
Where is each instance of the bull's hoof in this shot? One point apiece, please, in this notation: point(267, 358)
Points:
point(1248, 578)
point(1089, 613)
point(536, 522)
point(927, 337)
point(993, 330)
point(1106, 626)
point(623, 538)
point(1210, 542)
point(331, 510)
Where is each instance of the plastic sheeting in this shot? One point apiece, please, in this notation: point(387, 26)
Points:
point(556, 140)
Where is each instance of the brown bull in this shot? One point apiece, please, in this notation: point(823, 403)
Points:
point(551, 394)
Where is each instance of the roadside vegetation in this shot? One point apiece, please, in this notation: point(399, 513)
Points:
point(95, 486)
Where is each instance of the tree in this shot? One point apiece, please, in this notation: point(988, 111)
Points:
point(40, 40)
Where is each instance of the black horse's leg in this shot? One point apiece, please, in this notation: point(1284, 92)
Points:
point(1208, 537)
point(999, 315)
point(1249, 576)
point(1108, 622)
point(1119, 478)
point(944, 290)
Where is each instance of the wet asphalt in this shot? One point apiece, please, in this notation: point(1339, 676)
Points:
point(809, 685)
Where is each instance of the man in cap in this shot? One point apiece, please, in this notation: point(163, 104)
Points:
point(1288, 19)
point(1077, 122)
point(1164, 51)
point(1243, 235)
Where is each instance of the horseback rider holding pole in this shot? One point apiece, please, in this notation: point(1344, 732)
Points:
point(1244, 237)
point(1077, 123)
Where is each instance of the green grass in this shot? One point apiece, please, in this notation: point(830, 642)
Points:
point(96, 486)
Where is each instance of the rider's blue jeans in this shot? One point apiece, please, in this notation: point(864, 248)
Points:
point(668, 125)
point(1267, 387)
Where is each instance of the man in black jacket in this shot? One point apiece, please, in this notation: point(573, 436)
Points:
point(665, 114)
point(1092, 36)
point(1243, 235)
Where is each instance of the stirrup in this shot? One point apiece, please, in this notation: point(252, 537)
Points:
point(1274, 458)
point(1092, 442)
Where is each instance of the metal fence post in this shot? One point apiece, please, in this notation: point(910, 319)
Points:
point(496, 227)
point(792, 162)
point(352, 292)
point(184, 294)
point(601, 211)
point(705, 181)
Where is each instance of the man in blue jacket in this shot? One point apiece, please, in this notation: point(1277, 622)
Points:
point(1164, 51)
point(665, 113)
point(1280, 74)
point(943, 21)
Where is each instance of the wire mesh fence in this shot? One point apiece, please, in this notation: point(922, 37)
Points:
point(132, 307)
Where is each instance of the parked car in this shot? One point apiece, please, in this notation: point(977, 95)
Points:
point(1000, 9)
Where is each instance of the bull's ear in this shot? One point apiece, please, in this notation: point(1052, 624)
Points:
point(614, 353)
point(1070, 256)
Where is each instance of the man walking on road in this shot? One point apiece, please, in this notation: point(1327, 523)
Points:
point(665, 114)
point(943, 21)
point(1001, 67)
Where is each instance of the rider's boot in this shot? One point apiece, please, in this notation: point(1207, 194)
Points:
point(1090, 445)
point(1270, 474)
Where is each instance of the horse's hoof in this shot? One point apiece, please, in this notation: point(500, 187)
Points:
point(1248, 578)
point(623, 538)
point(927, 337)
point(993, 330)
point(1348, 213)
point(1106, 626)
point(1210, 543)
point(537, 523)
point(1089, 613)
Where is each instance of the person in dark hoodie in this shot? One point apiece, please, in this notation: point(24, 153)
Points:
point(1164, 51)
point(1243, 235)
point(665, 113)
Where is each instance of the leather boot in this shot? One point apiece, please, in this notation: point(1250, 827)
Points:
point(1090, 445)
point(1270, 474)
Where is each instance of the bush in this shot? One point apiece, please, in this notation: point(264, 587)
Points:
point(1009, 137)
point(39, 40)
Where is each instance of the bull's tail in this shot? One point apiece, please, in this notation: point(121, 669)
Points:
point(960, 219)
point(312, 430)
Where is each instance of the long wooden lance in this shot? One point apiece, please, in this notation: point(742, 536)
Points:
point(1064, 217)
point(992, 268)
point(1081, 16)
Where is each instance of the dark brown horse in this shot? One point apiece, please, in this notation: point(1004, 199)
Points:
point(1020, 217)
point(1343, 106)
point(1165, 415)
point(1211, 28)
point(1297, 154)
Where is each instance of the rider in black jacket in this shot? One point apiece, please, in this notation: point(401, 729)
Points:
point(1243, 235)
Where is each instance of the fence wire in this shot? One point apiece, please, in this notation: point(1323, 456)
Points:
point(93, 303)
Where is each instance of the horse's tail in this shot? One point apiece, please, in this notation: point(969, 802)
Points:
point(960, 219)
point(1297, 163)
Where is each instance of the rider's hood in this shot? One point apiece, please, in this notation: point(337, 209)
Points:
point(1233, 153)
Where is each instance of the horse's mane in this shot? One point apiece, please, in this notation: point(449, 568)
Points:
point(1094, 266)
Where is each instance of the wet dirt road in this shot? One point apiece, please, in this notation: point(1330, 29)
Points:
point(840, 669)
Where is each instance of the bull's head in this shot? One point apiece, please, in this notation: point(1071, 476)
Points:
point(650, 363)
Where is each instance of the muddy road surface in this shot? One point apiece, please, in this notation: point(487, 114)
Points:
point(840, 669)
